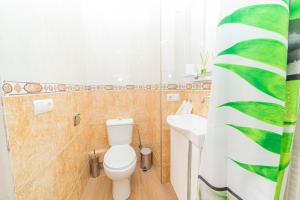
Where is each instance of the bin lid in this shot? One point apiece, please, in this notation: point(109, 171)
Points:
point(146, 151)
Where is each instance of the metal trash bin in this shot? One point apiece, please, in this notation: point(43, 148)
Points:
point(146, 158)
point(94, 165)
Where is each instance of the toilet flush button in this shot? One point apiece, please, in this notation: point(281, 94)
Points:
point(43, 106)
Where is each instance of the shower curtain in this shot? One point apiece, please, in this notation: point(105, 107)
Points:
point(253, 109)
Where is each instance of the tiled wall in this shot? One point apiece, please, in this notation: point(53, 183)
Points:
point(54, 155)
point(50, 156)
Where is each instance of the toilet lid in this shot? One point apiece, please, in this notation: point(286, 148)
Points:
point(119, 157)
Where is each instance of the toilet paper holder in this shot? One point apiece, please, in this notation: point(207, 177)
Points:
point(76, 119)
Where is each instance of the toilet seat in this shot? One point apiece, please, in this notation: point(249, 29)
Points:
point(119, 157)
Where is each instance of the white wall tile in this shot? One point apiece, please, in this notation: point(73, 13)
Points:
point(122, 41)
point(79, 41)
point(41, 41)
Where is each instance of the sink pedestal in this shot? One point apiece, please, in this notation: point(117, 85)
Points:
point(187, 138)
point(185, 157)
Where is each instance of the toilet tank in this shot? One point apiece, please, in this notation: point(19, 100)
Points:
point(119, 131)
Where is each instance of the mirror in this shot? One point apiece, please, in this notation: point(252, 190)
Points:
point(188, 38)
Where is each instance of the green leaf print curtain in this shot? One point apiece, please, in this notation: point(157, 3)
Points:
point(254, 102)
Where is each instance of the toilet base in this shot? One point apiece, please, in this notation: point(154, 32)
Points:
point(121, 189)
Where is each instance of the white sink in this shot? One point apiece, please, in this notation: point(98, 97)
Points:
point(194, 127)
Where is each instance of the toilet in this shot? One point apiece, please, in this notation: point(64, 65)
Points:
point(120, 160)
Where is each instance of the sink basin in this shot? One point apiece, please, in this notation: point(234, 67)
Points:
point(194, 127)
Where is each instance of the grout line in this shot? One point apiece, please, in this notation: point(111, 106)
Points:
point(47, 165)
point(77, 182)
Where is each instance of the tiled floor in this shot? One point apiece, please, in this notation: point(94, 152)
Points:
point(145, 186)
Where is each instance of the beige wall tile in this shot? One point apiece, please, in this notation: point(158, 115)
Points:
point(44, 187)
point(49, 139)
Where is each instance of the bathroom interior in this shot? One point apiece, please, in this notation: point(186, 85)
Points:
point(149, 100)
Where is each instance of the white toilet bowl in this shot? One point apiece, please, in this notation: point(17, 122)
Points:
point(119, 165)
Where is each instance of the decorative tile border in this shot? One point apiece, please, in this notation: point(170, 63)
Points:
point(203, 85)
point(124, 87)
point(13, 88)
